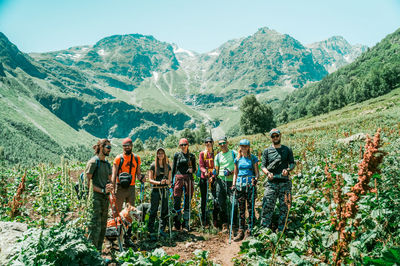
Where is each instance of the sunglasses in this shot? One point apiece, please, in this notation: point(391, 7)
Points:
point(126, 145)
point(222, 143)
point(182, 145)
point(108, 147)
point(207, 142)
point(274, 136)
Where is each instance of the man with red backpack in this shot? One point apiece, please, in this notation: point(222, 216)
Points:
point(126, 169)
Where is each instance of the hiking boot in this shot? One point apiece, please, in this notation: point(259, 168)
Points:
point(225, 228)
point(128, 242)
point(163, 234)
point(177, 224)
point(239, 236)
point(247, 234)
point(186, 226)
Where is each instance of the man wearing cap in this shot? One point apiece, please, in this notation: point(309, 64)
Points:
point(224, 166)
point(125, 173)
point(277, 162)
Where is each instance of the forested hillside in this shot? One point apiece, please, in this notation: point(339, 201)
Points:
point(376, 72)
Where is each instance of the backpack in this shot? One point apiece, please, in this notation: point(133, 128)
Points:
point(81, 184)
point(125, 179)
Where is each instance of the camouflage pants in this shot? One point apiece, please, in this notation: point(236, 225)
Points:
point(274, 191)
point(98, 221)
point(246, 194)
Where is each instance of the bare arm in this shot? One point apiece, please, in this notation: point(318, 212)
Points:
point(114, 176)
point(235, 173)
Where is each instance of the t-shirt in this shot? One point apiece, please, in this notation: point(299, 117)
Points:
point(161, 171)
point(271, 153)
point(181, 164)
point(100, 172)
point(245, 165)
point(226, 161)
point(125, 166)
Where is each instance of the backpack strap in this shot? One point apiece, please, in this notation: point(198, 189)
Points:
point(137, 162)
point(121, 161)
point(130, 164)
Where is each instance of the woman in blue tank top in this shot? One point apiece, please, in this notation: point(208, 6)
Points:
point(244, 182)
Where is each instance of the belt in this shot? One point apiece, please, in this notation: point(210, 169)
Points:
point(166, 186)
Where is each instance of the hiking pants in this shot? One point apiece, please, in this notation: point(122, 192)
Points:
point(98, 221)
point(182, 182)
point(155, 203)
point(244, 194)
point(221, 207)
point(124, 195)
point(273, 191)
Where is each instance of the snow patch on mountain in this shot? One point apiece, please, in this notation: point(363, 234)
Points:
point(181, 50)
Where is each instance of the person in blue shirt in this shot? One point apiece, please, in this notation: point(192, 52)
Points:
point(244, 182)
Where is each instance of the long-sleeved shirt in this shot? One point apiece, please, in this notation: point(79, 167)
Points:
point(207, 163)
point(182, 162)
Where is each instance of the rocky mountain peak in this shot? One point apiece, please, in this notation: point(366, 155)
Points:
point(11, 58)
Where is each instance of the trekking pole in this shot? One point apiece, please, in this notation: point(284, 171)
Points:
point(160, 191)
point(252, 208)
point(190, 200)
point(169, 214)
point(205, 212)
point(233, 208)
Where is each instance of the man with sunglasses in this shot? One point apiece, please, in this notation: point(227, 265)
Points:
point(224, 166)
point(98, 170)
point(128, 167)
point(277, 162)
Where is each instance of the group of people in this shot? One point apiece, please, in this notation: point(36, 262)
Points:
point(229, 176)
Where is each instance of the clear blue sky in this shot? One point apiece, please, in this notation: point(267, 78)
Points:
point(201, 25)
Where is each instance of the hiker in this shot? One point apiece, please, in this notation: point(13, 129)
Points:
point(160, 178)
point(126, 169)
point(98, 170)
point(184, 166)
point(277, 162)
point(244, 181)
point(224, 166)
point(207, 178)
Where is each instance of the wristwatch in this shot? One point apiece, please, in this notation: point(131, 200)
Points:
point(103, 191)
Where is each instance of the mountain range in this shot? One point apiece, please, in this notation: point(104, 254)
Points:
point(135, 85)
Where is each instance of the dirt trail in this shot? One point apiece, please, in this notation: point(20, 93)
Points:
point(220, 251)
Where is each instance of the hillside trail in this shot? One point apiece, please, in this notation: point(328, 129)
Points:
point(220, 251)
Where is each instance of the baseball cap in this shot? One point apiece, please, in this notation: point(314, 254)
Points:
point(208, 139)
point(126, 141)
point(183, 141)
point(244, 142)
point(222, 138)
point(274, 131)
point(160, 149)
